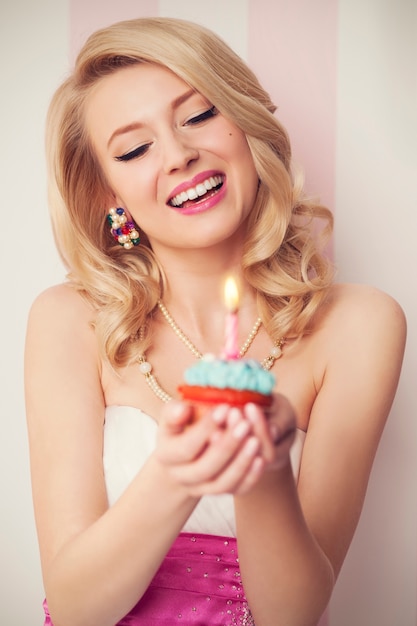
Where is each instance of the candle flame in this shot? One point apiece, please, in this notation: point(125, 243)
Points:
point(231, 294)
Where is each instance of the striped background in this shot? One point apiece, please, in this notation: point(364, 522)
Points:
point(343, 74)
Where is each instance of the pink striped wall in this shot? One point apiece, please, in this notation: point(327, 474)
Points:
point(86, 17)
point(293, 50)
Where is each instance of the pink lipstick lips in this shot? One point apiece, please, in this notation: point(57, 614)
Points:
point(199, 194)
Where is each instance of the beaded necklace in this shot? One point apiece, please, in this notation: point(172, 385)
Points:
point(145, 366)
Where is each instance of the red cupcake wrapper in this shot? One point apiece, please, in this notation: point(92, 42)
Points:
point(214, 395)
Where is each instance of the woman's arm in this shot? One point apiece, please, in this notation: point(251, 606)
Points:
point(96, 561)
point(292, 543)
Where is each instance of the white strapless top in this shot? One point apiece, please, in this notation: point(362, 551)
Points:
point(130, 438)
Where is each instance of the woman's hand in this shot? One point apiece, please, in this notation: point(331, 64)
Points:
point(275, 430)
point(226, 450)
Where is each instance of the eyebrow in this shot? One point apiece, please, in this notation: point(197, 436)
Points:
point(135, 125)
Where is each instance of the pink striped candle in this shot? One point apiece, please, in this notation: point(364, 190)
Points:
point(231, 298)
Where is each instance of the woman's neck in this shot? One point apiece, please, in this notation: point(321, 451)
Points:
point(194, 292)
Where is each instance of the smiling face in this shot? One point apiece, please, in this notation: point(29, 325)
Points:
point(183, 171)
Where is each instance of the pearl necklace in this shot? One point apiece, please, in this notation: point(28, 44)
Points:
point(181, 335)
point(145, 366)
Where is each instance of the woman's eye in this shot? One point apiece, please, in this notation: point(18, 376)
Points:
point(202, 117)
point(134, 154)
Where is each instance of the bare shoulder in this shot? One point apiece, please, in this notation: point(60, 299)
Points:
point(362, 330)
point(63, 302)
point(359, 296)
point(362, 311)
point(60, 323)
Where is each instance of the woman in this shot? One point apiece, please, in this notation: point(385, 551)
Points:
point(168, 171)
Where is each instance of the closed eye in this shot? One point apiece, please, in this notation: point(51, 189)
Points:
point(134, 154)
point(202, 117)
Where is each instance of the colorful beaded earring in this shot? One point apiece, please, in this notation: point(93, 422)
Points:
point(124, 231)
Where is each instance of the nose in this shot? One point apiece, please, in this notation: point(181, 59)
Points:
point(178, 153)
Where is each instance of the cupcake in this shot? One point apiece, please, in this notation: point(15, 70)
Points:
point(214, 380)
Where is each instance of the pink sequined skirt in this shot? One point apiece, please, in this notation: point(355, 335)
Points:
point(198, 583)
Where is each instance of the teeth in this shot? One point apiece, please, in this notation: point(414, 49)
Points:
point(201, 190)
point(192, 193)
point(196, 192)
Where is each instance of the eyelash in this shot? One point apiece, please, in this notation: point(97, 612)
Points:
point(141, 150)
point(202, 117)
point(137, 152)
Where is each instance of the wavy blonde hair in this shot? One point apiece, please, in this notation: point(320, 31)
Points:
point(282, 259)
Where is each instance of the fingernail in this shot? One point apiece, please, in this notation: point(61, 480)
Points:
point(251, 412)
point(234, 416)
point(251, 446)
point(257, 464)
point(241, 429)
point(219, 413)
point(177, 409)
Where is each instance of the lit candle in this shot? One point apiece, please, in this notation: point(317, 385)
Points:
point(231, 298)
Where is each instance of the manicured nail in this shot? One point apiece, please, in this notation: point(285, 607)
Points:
point(241, 429)
point(251, 412)
point(219, 413)
point(234, 416)
point(251, 446)
point(177, 409)
point(257, 464)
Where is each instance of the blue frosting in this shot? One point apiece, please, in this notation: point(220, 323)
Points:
point(240, 374)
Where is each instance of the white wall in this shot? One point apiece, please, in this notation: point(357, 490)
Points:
point(375, 242)
point(33, 41)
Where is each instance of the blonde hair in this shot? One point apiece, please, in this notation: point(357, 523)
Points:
point(281, 257)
